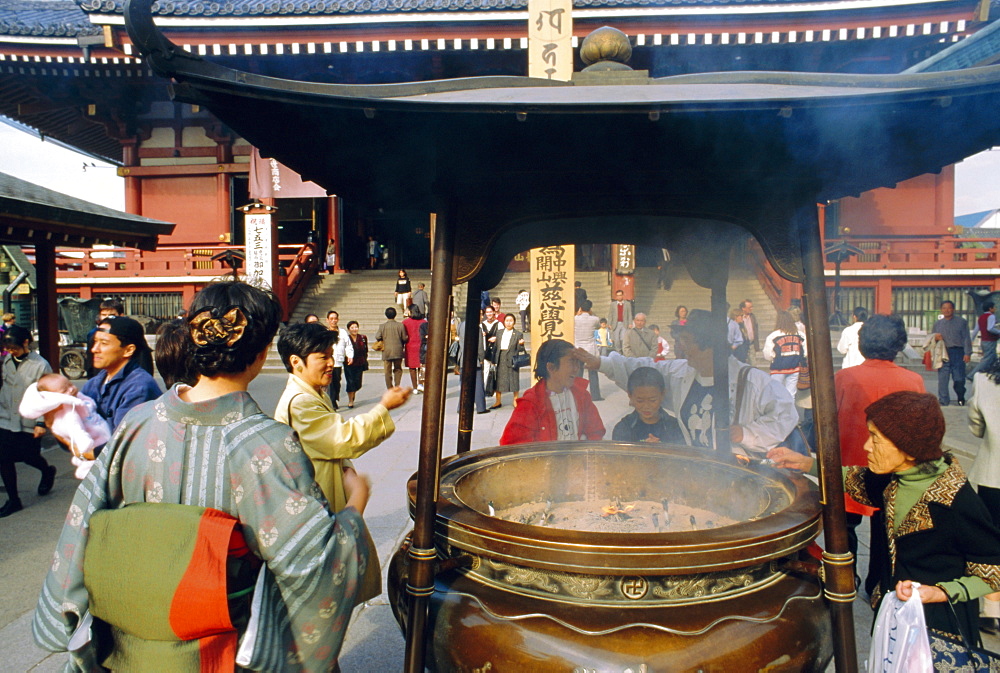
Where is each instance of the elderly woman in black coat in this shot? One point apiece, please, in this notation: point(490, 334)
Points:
point(939, 532)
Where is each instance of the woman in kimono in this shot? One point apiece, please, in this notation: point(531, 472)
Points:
point(329, 439)
point(206, 454)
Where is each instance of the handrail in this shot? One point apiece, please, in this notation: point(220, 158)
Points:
point(766, 276)
point(300, 272)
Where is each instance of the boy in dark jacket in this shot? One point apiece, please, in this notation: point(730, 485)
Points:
point(649, 422)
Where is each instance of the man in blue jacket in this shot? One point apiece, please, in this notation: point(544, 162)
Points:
point(119, 348)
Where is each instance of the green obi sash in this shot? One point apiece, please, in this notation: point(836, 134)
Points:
point(157, 573)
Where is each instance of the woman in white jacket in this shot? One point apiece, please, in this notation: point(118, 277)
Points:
point(984, 475)
point(849, 339)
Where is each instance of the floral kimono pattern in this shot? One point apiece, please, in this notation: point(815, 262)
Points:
point(224, 454)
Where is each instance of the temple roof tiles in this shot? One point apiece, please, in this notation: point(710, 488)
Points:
point(200, 8)
point(44, 18)
point(69, 18)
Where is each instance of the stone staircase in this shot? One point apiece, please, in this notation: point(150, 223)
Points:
point(660, 305)
point(364, 296)
point(361, 296)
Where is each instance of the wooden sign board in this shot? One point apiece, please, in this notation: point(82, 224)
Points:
point(553, 272)
point(550, 39)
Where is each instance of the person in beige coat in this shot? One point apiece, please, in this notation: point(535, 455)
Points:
point(984, 475)
point(330, 440)
point(393, 336)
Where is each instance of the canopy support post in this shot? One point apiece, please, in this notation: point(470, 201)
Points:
point(720, 368)
point(422, 553)
point(48, 309)
point(838, 562)
point(470, 357)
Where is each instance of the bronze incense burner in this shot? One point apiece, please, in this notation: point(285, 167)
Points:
point(687, 561)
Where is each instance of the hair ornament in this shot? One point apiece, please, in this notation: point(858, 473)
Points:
point(215, 327)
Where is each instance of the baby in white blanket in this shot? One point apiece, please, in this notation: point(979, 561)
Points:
point(71, 416)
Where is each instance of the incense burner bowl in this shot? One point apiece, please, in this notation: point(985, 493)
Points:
point(679, 560)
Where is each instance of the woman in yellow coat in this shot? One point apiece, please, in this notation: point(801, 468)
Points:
point(330, 441)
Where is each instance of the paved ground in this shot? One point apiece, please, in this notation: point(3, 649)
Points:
point(374, 642)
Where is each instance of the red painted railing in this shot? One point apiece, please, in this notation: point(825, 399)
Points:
point(298, 264)
point(923, 253)
point(301, 271)
point(778, 290)
point(164, 261)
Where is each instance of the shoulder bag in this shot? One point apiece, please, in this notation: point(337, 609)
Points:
point(955, 655)
point(521, 358)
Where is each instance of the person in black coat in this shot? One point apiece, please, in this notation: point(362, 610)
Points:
point(937, 530)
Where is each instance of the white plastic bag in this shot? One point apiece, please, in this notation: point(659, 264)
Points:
point(899, 641)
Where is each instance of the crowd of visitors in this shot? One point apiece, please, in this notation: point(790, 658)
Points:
point(286, 499)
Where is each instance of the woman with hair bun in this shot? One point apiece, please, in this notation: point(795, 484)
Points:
point(202, 474)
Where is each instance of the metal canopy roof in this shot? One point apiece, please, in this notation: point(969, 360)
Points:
point(30, 214)
point(519, 162)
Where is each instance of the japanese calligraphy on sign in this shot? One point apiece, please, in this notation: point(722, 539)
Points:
point(550, 39)
point(624, 259)
point(553, 271)
point(259, 247)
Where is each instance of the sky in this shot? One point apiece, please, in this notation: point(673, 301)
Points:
point(50, 165)
point(977, 179)
point(977, 183)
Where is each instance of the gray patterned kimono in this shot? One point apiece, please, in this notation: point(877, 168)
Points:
point(225, 454)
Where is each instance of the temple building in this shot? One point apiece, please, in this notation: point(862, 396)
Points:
point(69, 70)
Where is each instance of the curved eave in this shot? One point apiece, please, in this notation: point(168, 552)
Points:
point(632, 161)
point(31, 214)
point(279, 13)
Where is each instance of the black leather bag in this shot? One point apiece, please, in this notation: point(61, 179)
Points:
point(490, 386)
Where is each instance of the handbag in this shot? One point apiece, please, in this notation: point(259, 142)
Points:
point(928, 361)
point(521, 359)
point(955, 655)
point(453, 349)
point(378, 346)
point(805, 380)
point(490, 385)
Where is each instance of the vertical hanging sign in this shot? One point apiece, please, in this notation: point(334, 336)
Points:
point(552, 269)
point(550, 39)
point(624, 259)
point(552, 294)
point(259, 247)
